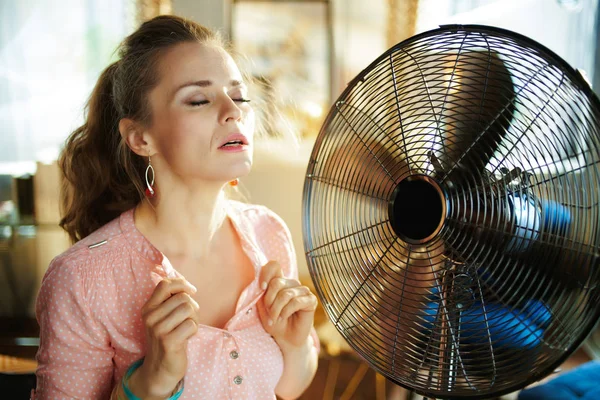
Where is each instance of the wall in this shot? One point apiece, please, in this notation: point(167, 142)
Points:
point(212, 13)
point(277, 181)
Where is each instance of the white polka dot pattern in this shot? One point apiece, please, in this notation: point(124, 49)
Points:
point(89, 311)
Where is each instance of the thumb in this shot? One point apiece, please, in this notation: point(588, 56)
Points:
point(270, 270)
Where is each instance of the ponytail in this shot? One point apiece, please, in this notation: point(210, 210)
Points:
point(96, 187)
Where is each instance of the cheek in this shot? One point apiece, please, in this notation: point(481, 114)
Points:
point(250, 122)
point(184, 145)
point(182, 129)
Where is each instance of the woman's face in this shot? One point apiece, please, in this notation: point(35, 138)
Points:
point(199, 104)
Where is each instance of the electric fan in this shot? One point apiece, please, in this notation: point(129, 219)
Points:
point(450, 212)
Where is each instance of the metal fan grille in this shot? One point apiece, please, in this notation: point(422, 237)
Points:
point(451, 212)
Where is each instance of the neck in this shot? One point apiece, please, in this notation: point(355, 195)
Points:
point(181, 222)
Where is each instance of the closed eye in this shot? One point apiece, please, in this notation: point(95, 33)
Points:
point(203, 102)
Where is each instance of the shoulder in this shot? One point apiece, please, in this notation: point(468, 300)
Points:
point(91, 252)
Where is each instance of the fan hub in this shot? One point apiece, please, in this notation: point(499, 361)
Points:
point(417, 209)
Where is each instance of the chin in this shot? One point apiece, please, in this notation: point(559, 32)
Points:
point(240, 172)
point(245, 168)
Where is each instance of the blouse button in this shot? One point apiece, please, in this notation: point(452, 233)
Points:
point(234, 354)
point(237, 380)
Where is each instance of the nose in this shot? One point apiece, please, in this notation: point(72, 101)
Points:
point(229, 110)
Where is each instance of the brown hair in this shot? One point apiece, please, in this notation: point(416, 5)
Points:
point(102, 176)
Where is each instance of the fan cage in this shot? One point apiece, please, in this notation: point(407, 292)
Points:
point(496, 290)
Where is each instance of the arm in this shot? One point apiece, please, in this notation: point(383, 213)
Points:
point(291, 306)
point(117, 392)
point(287, 314)
point(300, 366)
point(136, 384)
point(75, 357)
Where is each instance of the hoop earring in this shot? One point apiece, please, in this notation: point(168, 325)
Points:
point(150, 192)
point(234, 182)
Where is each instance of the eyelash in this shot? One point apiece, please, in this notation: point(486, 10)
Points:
point(203, 102)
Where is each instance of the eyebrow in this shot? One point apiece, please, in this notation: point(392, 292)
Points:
point(206, 83)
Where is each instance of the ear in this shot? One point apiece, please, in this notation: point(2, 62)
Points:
point(136, 137)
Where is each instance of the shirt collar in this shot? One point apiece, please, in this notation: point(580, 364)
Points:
point(143, 246)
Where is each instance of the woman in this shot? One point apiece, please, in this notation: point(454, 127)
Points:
point(171, 291)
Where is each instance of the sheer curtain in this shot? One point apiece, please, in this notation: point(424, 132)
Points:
point(51, 54)
point(567, 27)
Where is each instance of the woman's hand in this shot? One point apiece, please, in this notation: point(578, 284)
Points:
point(287, 309)
point(171, 319)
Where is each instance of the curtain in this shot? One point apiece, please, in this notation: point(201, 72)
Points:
point(401, 21)
point(51, 54)
point(567, 27)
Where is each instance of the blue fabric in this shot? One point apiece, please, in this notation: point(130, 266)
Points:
point(581, 383)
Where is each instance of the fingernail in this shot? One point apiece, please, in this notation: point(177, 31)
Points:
point(270, 322)
point(263, 285)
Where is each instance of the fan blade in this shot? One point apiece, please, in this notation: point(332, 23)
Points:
point(384, 312)
point(358, 152)
point(477, 110)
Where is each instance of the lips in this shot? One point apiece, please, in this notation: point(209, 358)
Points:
point(236, 139)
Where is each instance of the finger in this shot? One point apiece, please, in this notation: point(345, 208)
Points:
point(167, 307)
point(263, 315)
point(275, 286)
point(270, 270)
point(179, 336)
point(166, 288)
point(302, 303)
point(283, 298)
point(175, 318)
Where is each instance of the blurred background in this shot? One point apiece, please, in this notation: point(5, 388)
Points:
point(302, 54)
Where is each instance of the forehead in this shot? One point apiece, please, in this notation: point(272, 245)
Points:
point(195, 61)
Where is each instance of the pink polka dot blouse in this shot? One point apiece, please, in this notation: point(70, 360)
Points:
point(91, 330)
